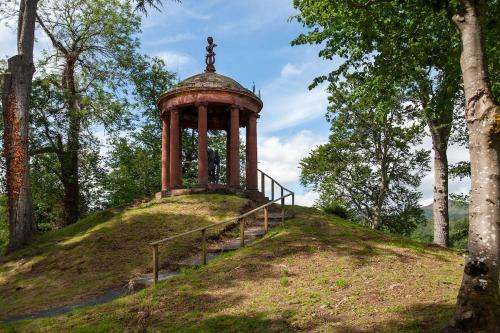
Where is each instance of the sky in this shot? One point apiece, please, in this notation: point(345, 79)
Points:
point(253, 39)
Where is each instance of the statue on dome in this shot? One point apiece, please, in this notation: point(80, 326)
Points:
point(210, 58)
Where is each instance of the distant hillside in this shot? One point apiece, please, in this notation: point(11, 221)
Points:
point(456, 211)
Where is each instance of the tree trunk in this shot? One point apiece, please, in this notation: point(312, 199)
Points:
point(478, 303)
point(440, 204)
point(69, 162)
point(16, 89)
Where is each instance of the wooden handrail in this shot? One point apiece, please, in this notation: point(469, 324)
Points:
point(234, 220)
point(237, 219)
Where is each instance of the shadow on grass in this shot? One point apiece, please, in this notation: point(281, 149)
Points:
point(417, 318)
point(199, 299)
point(91, 257)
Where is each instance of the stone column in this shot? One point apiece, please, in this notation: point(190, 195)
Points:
point(175, 150)
point(251, 152)
point(165, 155)
point(234, 147)
point(202, 145)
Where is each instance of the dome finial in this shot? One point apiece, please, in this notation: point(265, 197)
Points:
point(210, 57)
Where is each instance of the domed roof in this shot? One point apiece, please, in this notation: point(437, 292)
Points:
point(210, 80)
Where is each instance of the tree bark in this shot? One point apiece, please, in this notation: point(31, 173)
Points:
point(478, 303)
point(69, 159)
point(16, 89)
point(440, 203)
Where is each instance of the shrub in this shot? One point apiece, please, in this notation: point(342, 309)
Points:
point(336, 208)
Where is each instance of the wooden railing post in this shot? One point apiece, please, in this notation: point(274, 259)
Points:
point(204, 245)
point(272, 189)
point(263, 183)
point(155, 263)
point(266, 223)
point(282, 206)
point(242, 233)
point(293, 199)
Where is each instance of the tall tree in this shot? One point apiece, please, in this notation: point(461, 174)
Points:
point(382, 37)
point(478, 303)
point(16, 88)
point(369, 163)
point(93, 45)
point(135, 159)
point(347, 28)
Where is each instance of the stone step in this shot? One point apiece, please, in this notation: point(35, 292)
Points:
point(271, 215)
point(254, 231)
point(230, 245)
point(144, 281)
point(196, 260)
point(270, 223)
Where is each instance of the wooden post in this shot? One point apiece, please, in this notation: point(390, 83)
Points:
point(155, 263)
point(272, 189)
point(293, 199)
point(266, 223)
point(204, 245)
point(282, 207)
point(242, 233)
point(262, 183)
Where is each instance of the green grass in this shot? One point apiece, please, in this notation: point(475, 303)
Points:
point(104, 251)
point(340, 278)
point(4, 226)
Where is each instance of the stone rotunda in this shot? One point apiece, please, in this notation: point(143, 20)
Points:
point(209, 101)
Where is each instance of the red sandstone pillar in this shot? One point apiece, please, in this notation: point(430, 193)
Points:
point(202, 146)
point(251, 153)
point(175, 150)
point(165, 155)
point(234, 147)
point(228, 156)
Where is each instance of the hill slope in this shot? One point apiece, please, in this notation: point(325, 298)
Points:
point(316, 273)
point(103, 251)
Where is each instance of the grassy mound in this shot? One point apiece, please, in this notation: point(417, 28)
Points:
point(103, 251)
point(317, 273)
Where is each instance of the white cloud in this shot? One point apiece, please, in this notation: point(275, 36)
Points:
point(280, 157)
point(288, 107)
point(290, 70)
point(307, 199)
point(175, 60)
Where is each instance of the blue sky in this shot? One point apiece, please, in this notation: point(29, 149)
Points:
point(253, 40)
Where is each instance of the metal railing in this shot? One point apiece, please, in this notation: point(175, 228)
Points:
point(238, 219)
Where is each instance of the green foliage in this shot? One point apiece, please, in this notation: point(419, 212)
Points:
point(459, 234)
point(341, 283)
point(4, 224)
point(459, 225)
point(336, 208)
point(284, 282)
point(370, 163)
point(134, 172)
